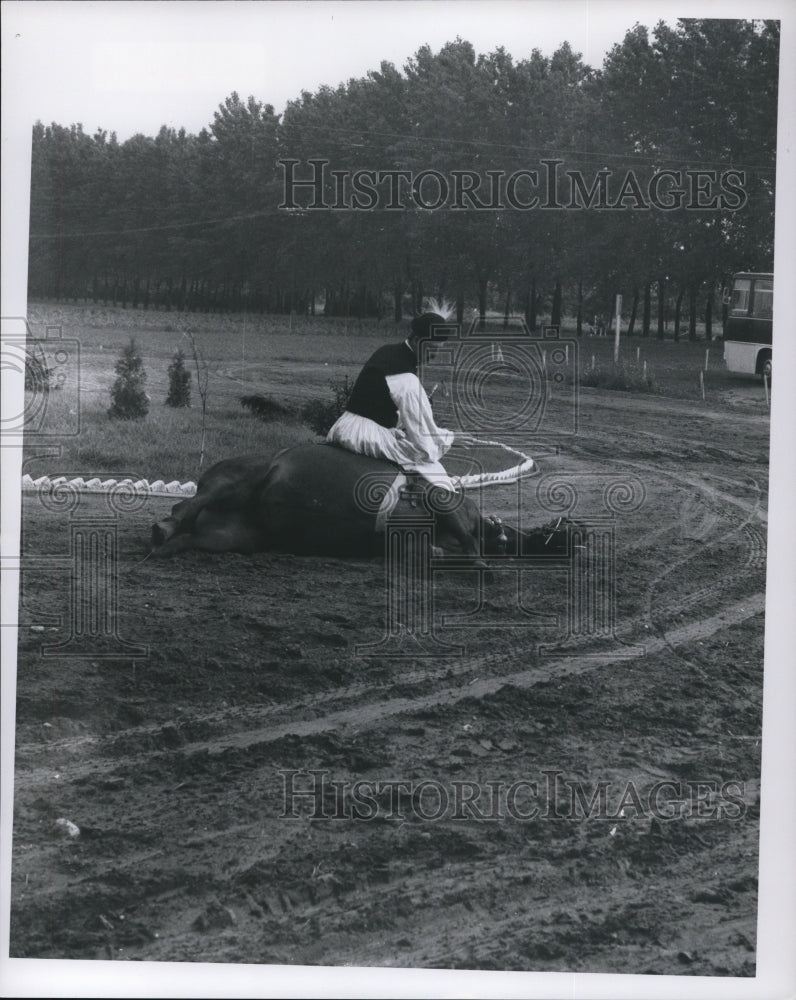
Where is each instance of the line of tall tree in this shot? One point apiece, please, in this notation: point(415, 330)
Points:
point(193, 222)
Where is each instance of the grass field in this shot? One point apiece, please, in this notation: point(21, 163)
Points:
point(292, 360)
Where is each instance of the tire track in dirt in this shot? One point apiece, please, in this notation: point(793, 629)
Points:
point(714, 491)
point(372, 712)
point(744, 515)
point(731, 615)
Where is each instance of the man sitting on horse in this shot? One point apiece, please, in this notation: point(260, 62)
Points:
point(389, 416)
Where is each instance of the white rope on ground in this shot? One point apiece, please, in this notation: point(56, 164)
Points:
point(526, 467)
point(159, 488)
point(140, 487)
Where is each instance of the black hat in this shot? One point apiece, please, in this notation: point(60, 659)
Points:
point(430, 324)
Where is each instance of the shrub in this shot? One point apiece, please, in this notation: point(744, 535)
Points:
point(129, 400)
point(320, 415)
point(265, 408)
point(38, 377)
point(626, 375)
point(179, 382)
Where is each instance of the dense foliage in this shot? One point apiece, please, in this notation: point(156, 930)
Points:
point(193, 221)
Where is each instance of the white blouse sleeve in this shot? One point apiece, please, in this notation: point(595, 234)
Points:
point(415, 416)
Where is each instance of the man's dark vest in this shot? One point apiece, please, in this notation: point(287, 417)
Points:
point(370, 396)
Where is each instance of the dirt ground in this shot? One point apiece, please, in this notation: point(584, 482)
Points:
point(174, 755)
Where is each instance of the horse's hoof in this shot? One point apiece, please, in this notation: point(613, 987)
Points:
point(162, 532)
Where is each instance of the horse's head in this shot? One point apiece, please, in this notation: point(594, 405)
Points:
point(550, 540)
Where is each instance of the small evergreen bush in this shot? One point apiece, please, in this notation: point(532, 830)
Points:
point(129, 400)
point(179, 382)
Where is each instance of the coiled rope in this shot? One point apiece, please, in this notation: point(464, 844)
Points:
point(524, 468)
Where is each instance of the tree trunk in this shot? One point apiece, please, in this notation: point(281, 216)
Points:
point(632, 324)
point(417, 296)
point(528, 306)
point(482, 287)
point(692, 310)
point(555, 311)
point(645, 321)
point(579, 327)
point(709, 316)
point(677, 308)
point(661, 308)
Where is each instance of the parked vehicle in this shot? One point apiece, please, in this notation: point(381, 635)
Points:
point(747, 332)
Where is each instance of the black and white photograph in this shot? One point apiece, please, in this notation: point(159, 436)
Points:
point(397, 543)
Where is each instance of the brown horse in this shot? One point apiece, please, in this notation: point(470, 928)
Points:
point(316, 499)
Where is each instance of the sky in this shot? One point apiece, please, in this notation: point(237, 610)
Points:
point(131, 67)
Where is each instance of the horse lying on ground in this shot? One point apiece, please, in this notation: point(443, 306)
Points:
point(318, 499)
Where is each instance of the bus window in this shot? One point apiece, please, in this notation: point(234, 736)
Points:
point(763, 300)
point(740, 295)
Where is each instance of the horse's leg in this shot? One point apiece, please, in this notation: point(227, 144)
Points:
point(182, 518)
point(172, 546)
point(465, 530)
point(228, 493)
point(214, 533)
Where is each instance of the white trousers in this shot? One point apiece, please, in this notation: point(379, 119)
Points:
point(366, 437)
